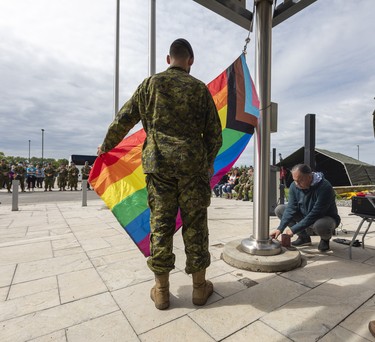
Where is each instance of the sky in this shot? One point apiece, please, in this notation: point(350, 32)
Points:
point(57, 62)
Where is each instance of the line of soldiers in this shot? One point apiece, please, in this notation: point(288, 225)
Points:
point(245, 185)
point(66, 176)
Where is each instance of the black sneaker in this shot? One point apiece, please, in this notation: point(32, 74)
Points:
point(302, 241)
point(323, 245)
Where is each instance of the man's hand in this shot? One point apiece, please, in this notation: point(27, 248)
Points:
point(210, 172)
point(275, 233)
point(288, 231)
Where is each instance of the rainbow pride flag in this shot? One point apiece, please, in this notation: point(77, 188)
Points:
point(118, 178)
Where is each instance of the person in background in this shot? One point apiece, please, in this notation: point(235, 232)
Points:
point(4, 175)
point(86, 169)
point(178, 163)
point(62, 177)
point(73, 174)
point(39, 174)
point(20, 175)
point(30, 176)
point(49, 174)
point(312, 203)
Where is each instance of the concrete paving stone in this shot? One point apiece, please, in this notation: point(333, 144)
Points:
point(68, 251)
point(50, 267)
point(233, 313)
point(317, 311)
point(6, 274)
point(59, 231)
point(132, 256)
point(32, 287)
point(216, 270)
point(92, 244)
point(117, 239)
point(94, 233)
point(181, 329)
point(258, 277)
point(122, 274)
point(113, 327)
point(140, 310)
point(180, 261)
point(65, 243)
point(48, 227)
point(370, 261)
point(25, 253)
point(227, 285)
point(112, 250)
point(327, 267)
point(24, 305)
point(341, 334)
point(12, 232)
point(80, 284)
point(3, 293)
point(57, 318)
point(256, 332)
point(58, 336)
point(358, 321)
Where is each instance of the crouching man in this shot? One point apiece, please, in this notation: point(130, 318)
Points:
point(311, 204)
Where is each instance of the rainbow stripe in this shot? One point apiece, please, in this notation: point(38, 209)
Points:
point(118, 178)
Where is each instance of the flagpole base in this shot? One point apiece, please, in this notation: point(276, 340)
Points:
point(261, 247)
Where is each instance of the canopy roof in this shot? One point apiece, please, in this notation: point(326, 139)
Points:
point(338, 168)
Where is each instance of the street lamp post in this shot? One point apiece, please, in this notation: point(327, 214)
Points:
point(29, 150)
point(358, 152)
point(42, 145)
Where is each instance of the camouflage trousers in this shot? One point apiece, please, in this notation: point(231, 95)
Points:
point(166, 195)
point(48, 183)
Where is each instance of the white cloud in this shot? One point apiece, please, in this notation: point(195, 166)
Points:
point(57, 64)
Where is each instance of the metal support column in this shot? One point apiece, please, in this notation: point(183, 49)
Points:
point(260, 243)
point(152, 39)
point(84, 192)
point(309, 151)
point(117, 59)
point(15, 184)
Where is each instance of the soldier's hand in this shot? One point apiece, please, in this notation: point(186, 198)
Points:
point(99, 150)
point(211, 172)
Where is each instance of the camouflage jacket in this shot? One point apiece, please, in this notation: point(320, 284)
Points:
point(180, 119)
point(4, 170)
point(20, 170)
point(86, 172)
point(49, 172)
point(73, 172)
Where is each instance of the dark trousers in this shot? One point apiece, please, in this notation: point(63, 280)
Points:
point(324, 227)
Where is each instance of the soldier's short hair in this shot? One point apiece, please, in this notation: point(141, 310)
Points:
point(181, 48)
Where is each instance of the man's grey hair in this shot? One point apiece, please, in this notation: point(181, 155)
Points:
point(303, 168)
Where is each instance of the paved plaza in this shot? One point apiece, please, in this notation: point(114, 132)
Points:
point(70, 273)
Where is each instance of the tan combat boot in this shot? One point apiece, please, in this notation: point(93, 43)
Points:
point(202, 288)
point(371, 327)
point(160, 291)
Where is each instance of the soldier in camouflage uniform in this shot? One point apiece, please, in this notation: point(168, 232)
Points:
point(86, 173)
point(62, 176)
point(73, 173)
point(49, 174)
point(248, 188)
point(183, 136)
point(4, 175)
point(241, 184)
point(20, 173)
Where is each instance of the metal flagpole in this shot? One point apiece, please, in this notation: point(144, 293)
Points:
point(117, 59)
point(152, 38)
point(260, 243)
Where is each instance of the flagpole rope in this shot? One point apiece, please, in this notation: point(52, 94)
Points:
point(247, 40)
